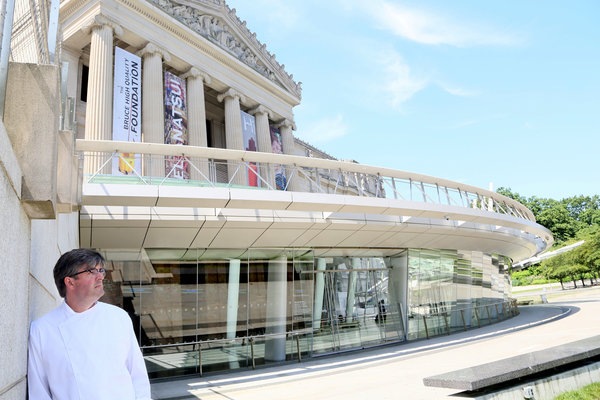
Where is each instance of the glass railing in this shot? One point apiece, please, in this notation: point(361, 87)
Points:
point(450, 321)
point(223, 354)
point(254, 170)
point(217, 355)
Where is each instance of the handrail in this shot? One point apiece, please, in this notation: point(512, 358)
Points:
point(110, 146)
point(210, 341)
point(511, 303)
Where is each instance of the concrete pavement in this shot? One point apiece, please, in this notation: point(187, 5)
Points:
point(397, 371)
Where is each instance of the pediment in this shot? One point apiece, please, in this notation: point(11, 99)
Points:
point(216, 22)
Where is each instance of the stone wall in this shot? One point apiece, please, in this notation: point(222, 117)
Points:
point(29, 247)
point(15, 234)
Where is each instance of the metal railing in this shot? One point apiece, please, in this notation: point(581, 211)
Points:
point(443, 321)
point(214, 167)
point(243, 341)
point(435, 324)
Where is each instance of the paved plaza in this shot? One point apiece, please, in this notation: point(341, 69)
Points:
point(394, 372)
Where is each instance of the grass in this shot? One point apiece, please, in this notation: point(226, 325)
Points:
point(590, 392)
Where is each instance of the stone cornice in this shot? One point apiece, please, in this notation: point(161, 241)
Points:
point(151, 49)
point(233, 94)
point(101, 21)
point(195, 73)
point(261, 110)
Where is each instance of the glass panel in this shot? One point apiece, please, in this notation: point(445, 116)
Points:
point(303, 301)
point(171, 360)
point(169, 299)
point(225, 354)
point(280, 299)
point(415, 309)
point(269, 305)
point(325, 338)
point(122, 286)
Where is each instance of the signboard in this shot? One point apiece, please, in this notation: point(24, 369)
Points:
point(249, 134)
point(175, 125)
point(127, 106)
point(280, 179)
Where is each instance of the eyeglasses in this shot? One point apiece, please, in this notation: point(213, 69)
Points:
point(93, 271)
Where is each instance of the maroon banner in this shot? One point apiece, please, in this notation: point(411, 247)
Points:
point(175, 125)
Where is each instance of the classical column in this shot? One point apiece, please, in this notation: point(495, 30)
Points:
point(153, 114)
point(233, 133)
point(319, 291)
point(351, 290)
point(233, 290)
point(398, 290)
point(276, 310)
point(287, 141)
point(197, 119)
point(263, 137)
point(98, 115)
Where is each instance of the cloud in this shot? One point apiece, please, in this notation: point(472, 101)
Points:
point(396, 81)
point(429, 28)
point(400, 83)
point(324, 130)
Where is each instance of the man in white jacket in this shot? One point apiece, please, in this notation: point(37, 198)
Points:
point(84, 349)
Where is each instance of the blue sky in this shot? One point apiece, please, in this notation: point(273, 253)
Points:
point(473, 91)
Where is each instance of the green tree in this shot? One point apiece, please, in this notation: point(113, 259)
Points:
point(512, 195)
point(570, 219)
point(563, 218)
point(558, 220)
point(588, 254)
point(557, 267)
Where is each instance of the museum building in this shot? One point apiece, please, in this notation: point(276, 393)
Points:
point(230, 242)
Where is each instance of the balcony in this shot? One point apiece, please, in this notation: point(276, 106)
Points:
point(324, 203)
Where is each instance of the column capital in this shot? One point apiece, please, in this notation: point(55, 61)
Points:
point(261, 110)
point(233, 94)
point(100, 21)
point(151, 49)
point(286, 123)
point(195, 73)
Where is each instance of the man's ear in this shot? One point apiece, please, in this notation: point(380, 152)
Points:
point(68, 281)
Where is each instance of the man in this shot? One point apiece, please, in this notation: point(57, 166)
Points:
point(84, 349)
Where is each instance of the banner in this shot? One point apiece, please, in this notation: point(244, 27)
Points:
point(175, 125)
point(280, 179)
point(249, 133)
point(127, 106)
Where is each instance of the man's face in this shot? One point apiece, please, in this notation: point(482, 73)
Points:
point(87, 286)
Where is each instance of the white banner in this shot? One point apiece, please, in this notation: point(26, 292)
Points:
point(127, 109)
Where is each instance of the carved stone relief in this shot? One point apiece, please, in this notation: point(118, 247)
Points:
point(218, 32)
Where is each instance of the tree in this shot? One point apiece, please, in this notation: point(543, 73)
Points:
point(570, 219)
point(557, 219)
point(511, 195)
point(557, 267)
point(588, 254)
point(563, 218)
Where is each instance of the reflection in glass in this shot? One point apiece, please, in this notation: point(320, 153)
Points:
point(201, 310)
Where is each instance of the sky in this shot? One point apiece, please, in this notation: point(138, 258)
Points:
point(475, 91)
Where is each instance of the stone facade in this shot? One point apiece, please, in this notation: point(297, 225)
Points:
point(29, 246)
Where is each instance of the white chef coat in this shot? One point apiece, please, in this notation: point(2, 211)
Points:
point(92, 355)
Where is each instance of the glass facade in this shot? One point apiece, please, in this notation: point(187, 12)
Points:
point(201, 310)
